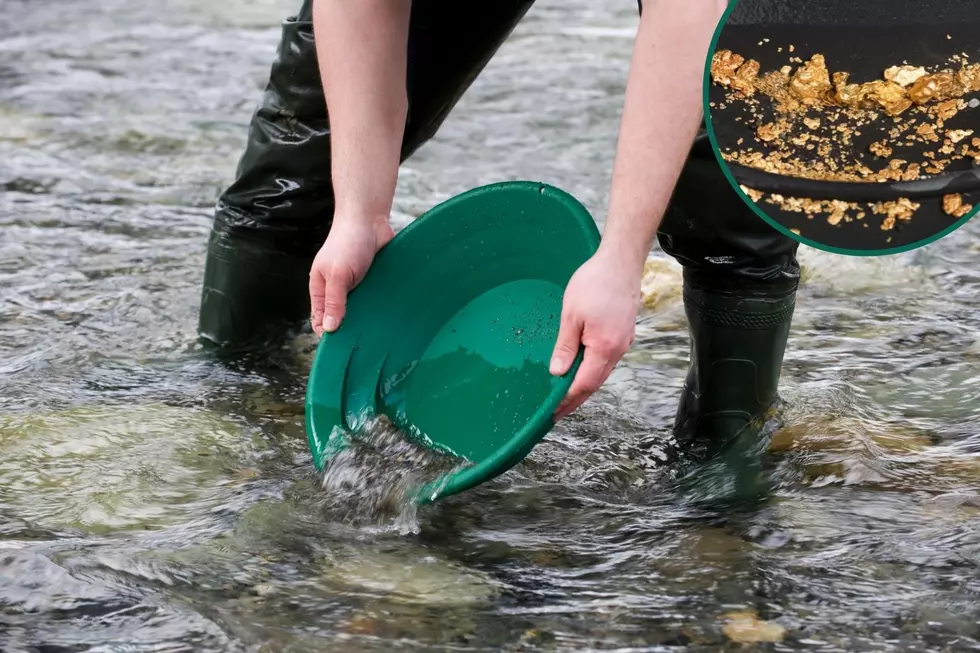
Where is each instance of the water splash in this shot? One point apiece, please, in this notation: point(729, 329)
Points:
point(376, 477)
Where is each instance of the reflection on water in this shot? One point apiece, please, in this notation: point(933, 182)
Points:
point(156, 500)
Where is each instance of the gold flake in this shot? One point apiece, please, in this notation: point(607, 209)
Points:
point(880, 149)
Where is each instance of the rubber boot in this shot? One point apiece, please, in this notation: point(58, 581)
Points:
point(253, 295)
point(723, 424)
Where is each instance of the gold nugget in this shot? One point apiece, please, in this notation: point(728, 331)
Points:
point(953, 205)
point(957, 135)
point(888, 95)
point(936, 88)
point(724, 66)
point(745, 76)
point(845, 94)
point(811, 83)
point(904, 75)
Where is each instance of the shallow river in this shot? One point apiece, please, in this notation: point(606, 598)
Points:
point(152, 499)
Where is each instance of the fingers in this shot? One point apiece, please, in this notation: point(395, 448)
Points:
point(567, 344)
point(334, 300)
point(328, 299)
point(316, 300)
point(597, 365)
point(601, 356)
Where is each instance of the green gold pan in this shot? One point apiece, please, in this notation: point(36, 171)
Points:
point(451, 332)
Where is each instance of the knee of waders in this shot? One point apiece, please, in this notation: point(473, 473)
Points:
point(709, 229)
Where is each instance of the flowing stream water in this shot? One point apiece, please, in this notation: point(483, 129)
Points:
point(154, 499)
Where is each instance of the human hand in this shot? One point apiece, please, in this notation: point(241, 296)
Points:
point(341, 264)
point(599, 311)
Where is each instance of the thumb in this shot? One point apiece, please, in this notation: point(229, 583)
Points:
point(316, 300)
point(335, 291)
point(567, 345)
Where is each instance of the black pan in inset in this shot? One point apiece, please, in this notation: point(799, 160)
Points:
point(864, 44)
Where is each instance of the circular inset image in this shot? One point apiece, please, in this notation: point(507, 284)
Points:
point(851, 127)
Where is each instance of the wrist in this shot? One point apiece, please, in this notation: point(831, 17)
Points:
point(629, 253)
point(360, 215)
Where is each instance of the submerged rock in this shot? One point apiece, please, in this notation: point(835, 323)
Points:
point(747, 628)
point(407, 576)
point(102, 468)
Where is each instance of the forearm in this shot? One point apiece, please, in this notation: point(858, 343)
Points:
point(361, 48)
point(661, 115)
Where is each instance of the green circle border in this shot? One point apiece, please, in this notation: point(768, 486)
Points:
point(706, 108)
